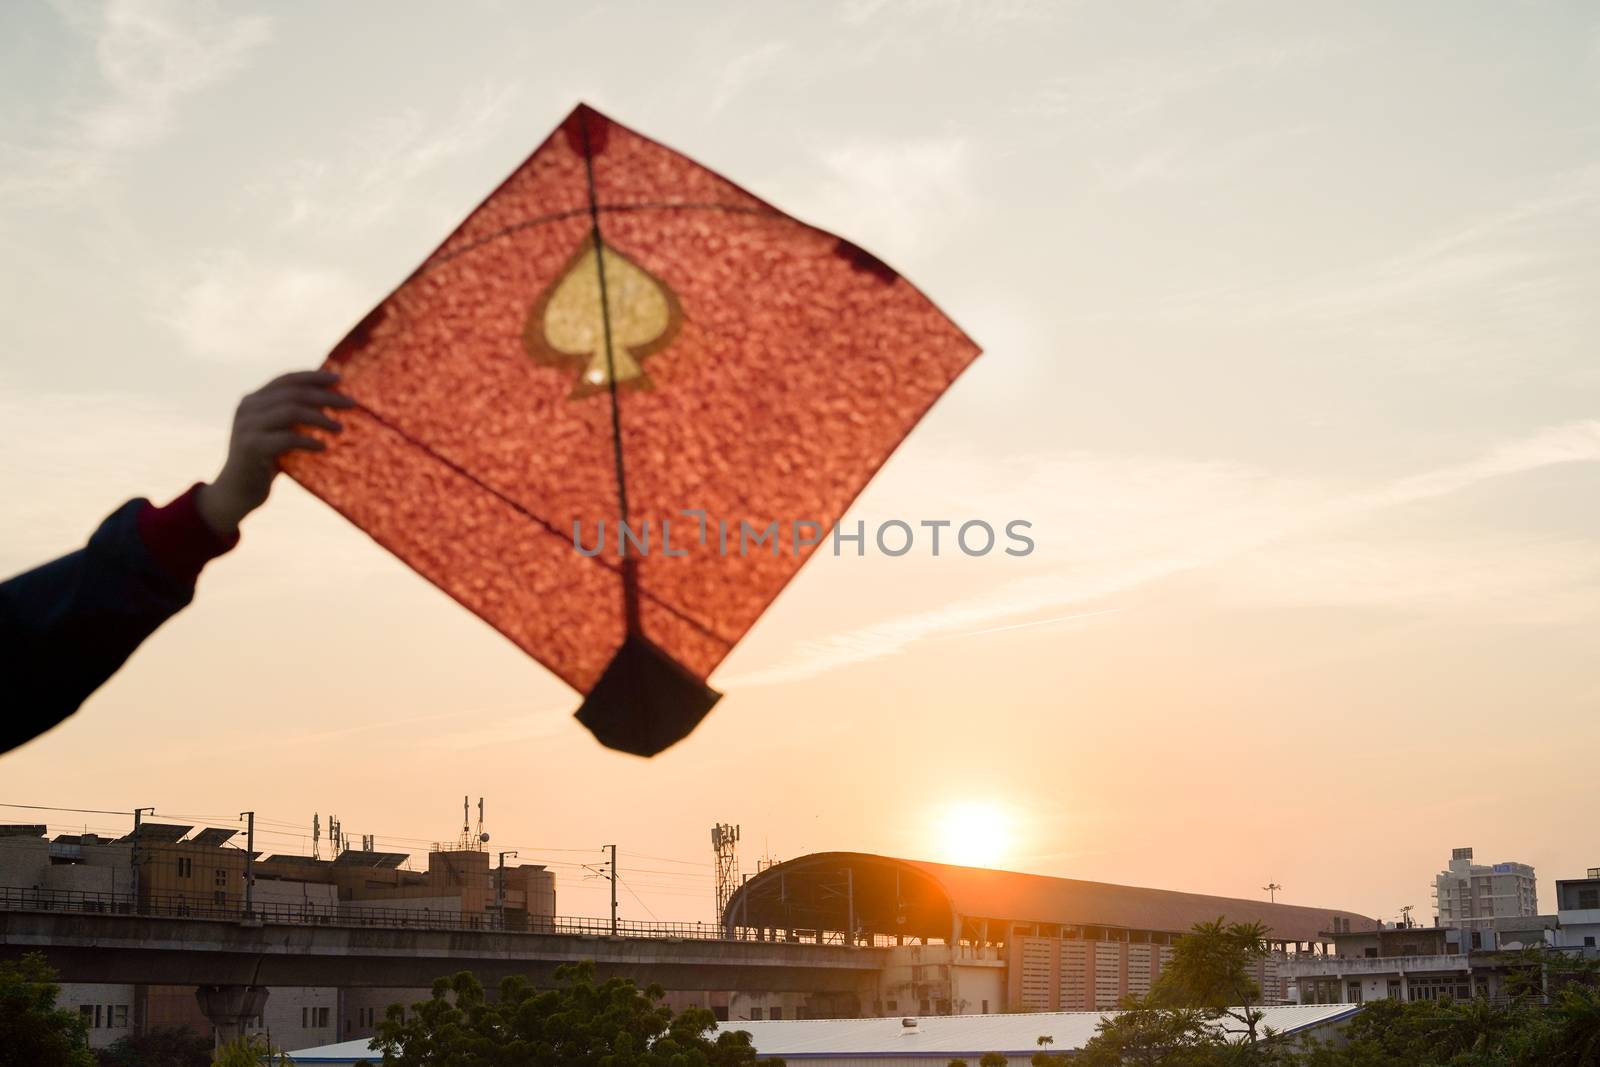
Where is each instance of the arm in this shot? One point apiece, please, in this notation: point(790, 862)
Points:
point(69, 625)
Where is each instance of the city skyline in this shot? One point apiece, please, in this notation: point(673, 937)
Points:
point(1288, 360)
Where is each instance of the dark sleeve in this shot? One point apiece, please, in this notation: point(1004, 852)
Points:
point(67, 626)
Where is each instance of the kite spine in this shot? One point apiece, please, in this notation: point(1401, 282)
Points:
point(630, 569)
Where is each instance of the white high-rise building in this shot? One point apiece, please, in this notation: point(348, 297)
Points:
point(1472, 896)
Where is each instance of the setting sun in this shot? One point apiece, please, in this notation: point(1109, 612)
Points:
point(974, 833)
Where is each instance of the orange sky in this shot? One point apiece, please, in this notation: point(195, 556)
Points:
point(1289, 329)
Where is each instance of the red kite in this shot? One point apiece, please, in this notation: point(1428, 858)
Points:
point(617, 335)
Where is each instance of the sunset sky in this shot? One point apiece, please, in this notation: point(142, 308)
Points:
point(1290, 330)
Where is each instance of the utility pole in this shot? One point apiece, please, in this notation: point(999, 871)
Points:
point(613, 849)
point(1272, 891)
point(249, 863)
point(133, 855)
point(500, 889)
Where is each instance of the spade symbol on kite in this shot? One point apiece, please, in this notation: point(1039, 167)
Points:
point(567, 326)
point(730, 359)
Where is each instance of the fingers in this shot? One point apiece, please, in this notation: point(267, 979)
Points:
point(287, 414)
point(277, 443)
point(303, 377)
point(311, 396)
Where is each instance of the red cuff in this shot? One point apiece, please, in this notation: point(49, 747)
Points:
point(178, 539)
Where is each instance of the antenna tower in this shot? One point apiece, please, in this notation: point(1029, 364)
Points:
point(725, 844)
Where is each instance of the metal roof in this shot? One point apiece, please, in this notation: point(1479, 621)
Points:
point(937, 1037)
point(970, 1036)
point(1008, 896)
point(977, 891)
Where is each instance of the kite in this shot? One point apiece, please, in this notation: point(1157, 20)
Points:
point(615, 339)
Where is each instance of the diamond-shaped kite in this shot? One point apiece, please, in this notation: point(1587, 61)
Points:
point(618, 334)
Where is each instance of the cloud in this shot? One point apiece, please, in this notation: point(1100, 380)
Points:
point(150, 55)
point(1524, 265)
point(1497, 581)
point(234, 310)
point(1128, 92)
point(742, 70)
point(387, 159)
point(1129, 523)
point(887, 192)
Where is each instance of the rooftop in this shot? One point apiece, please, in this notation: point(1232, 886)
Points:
point(967, 1036)
point(917, 898)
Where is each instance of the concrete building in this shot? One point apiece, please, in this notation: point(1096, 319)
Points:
point(934, 1042)
point(1420, 963)
point(1578, 908)
point(170, 869)
point(968, 941)
point(1471, 896)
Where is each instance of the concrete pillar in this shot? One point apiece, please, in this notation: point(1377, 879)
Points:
point(230, 1008)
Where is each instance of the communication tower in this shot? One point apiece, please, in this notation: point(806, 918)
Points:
point(725, 844)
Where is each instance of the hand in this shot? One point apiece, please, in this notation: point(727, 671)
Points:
point(264, 428)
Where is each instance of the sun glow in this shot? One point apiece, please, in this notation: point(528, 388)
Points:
point(974, 833)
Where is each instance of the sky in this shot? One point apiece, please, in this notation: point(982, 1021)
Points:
point(1288, 316)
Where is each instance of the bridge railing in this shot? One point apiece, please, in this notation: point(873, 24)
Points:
point(310, 913)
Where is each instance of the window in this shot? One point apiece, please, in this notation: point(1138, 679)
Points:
point(1355, 993)
point(776, 1013)
point(801, 1013)
point(1372, 953)
point(1588, 899)
point(222, 877)
point(986, 1007)
point(220, 896)
point(720, 1013)
point(88, 1013)
point(1588, 942)
point(755, 1014)
point(185, 866)
point(117, 1015)
point(892, 1006)
point(322, 1016)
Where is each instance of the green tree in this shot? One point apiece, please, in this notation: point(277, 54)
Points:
point(1574, 1035)
point(251, 1050)
point(1211, 969)
point(578, 1023)
point(993, 1059)
point(33, 1031)
point(1151, 1035)
point(161, 1046)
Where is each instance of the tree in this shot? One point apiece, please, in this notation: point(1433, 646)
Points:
point(1211, 970)
point(1574, 1039)
point(1150, 1035)
point(251, 1050)
point(33, 1031)
point(161, 1046)
point(578, 1023)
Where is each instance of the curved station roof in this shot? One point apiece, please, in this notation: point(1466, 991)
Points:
point(881, 895)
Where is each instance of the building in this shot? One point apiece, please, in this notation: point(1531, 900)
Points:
point(969, 941)
point(934, 1042)
point(171, 869)
point(1471, 896)
point(1422, 963)
point(1578, 908)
